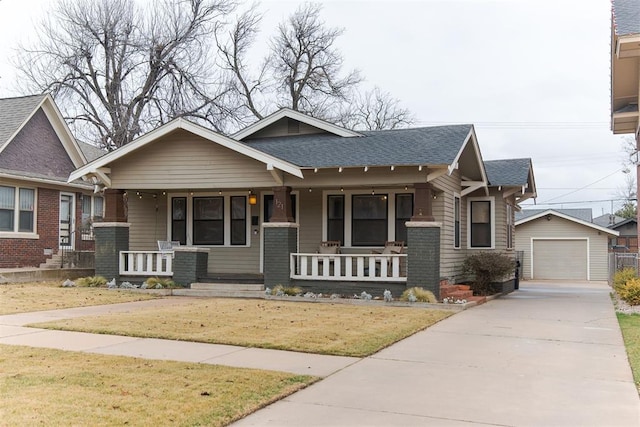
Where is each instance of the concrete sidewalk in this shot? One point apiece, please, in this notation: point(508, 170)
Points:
point(13, 332)
point(546, 355)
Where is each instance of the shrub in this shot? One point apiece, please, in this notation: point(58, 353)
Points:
point(621, 277)
point(91, 281)
point(158, 283)
point(421, 295)
point(487, 268)
point(630, 291)
point(286, 290)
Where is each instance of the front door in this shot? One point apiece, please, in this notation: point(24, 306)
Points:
point(67, 209)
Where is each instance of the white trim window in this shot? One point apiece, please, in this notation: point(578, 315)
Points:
point(359, 219)
point(17, 209)
point(481, 222)
point(209, 220)
point(457, 215)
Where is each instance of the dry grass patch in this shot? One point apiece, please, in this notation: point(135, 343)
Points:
point(323, 328)
point(54, 387)
point(38, 296)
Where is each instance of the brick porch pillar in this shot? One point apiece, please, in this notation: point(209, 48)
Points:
point(423, 255)
point(280, 241)
point(189, 264)
point(110, 239)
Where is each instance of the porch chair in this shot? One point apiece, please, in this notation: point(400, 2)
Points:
point(391, 247)
point(329, 247)
point(167, 246)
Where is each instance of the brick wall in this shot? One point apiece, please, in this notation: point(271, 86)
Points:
point(30, 252)
point(279, 243)
point(423, 257)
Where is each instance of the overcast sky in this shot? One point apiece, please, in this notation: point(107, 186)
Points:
point(531, 75)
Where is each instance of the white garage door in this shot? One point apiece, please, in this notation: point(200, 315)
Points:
point(560, 259)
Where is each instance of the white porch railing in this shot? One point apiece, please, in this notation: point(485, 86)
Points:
point(350, 267)
point(146, 263)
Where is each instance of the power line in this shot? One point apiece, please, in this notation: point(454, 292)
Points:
point(578, 202)
point(586, 186)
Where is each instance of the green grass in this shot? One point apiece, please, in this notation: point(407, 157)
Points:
point(630, 326)
point(336, 329)
point(62, 388)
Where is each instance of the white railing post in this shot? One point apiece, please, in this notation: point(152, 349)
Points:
point(378, 268)
point(145, 263)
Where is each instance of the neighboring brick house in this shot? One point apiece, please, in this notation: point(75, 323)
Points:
point(39, 211)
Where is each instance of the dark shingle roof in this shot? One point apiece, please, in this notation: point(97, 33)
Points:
point(582, 214)
point(607, 220)
point(626, 17)
point(91, 152)
point(508, 171)
point(420, 146)
point(13, 113)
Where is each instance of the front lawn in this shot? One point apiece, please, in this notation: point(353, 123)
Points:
point(324, 328)
point(60, 388)
point(39, 296)
point(630, 326)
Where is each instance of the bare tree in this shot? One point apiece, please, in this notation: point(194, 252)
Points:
point(118, 70)
point(303, 70)
point(375, 110)
point(307, 65)
point(234, 50)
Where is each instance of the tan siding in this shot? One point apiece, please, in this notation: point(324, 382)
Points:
point(451, 259)
point(500, 219)
point(310, 220)
point(185, 161)
point(562, 228)
point(148, 224)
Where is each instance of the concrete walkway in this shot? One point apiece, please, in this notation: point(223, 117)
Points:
point(546, 355)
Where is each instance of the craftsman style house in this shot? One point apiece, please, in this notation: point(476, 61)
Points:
point(268, 199)
point(40, 212)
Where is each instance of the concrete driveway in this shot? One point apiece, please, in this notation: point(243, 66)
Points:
point(550, 354)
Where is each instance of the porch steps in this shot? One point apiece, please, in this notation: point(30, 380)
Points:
point(460, 292)
point(223, 290)
point(54, 262)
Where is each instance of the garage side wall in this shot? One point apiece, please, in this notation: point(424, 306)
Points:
point(561, 229)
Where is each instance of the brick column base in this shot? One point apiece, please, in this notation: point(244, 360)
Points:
point(189, 264)
point(280, 240)
point(423, 255)
point(110, 239)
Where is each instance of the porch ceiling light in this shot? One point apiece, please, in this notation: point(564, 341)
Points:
point(340, 169)
point(366, 168)
point(393, 168)
point(253, 199)
point(420, 168)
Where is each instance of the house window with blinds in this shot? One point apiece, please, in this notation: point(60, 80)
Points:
point(17, 209)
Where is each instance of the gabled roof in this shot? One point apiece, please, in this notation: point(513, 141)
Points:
point(508, 172)
point(91, 152)
point(295, 115)
point(581, 214)
point(568, 218)
point(626, 17)
point(15, 113)
point(607, 220)
point(440, 145)
point(622, 223)
point(94, 168)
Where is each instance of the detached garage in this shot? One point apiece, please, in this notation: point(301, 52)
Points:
point(557, 246)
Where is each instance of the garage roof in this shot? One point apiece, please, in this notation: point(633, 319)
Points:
point(568, 218)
